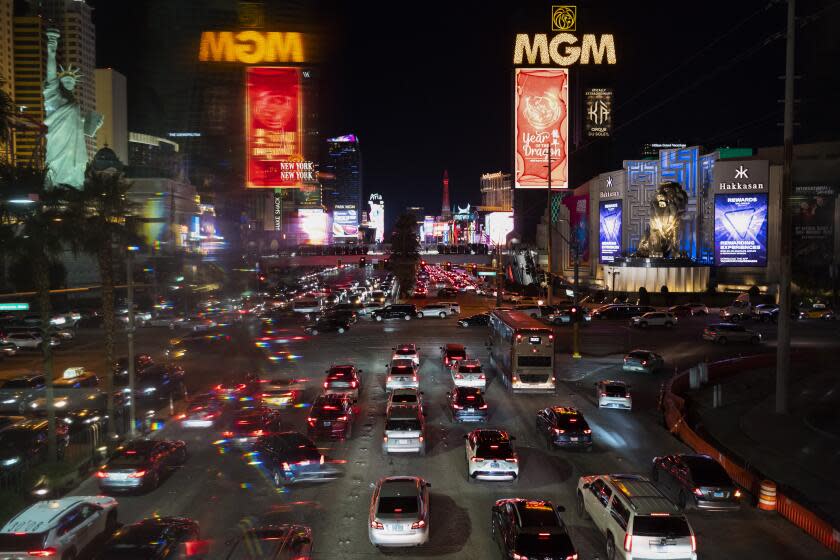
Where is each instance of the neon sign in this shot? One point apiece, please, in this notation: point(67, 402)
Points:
point(563, 50)
point(251, 47)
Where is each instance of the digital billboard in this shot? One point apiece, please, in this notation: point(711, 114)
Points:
point(345, 221)
point(609, 236)
point(498, 225)
point(274, 129)
point(579, 226)
point(812, 243)
point(377, 215)
point(741, 229)
point(599, 109)
point(541, 99)
point(313, 225)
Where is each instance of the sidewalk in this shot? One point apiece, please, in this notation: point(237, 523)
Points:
point(800, 450)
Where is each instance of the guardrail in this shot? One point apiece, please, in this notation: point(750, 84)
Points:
point(673, 408)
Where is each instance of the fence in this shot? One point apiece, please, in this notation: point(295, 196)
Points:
point(673, 407)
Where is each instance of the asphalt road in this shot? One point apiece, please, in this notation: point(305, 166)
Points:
point(224, 492)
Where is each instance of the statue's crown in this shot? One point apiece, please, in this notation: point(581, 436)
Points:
point(71, 71)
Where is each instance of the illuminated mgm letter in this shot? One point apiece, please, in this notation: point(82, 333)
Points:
point(541, 50)
point(250, 47)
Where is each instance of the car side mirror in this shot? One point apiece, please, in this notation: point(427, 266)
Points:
point(560, 509)
point(428, 485)
point(585, 485)
point(448, 394)
point(441, 347)
point(361, 371)
point(421, 392)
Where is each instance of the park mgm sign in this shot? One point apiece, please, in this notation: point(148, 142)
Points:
point(563, 48)
point(252, 47)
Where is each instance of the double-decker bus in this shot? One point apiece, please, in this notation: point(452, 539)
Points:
point(522, 349)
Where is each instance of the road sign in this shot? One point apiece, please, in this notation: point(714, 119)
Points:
point(14, 307)
point(487, 273)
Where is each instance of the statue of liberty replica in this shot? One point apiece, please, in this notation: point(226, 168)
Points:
point(67, 126)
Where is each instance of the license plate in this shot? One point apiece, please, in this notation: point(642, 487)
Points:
point(720, 494)
point(118, 476)
point(327, 424)
point(398, 527)
point(402, 441)
point(470, 410)
point(494, 465)
point(574, 439)
point(243, 440)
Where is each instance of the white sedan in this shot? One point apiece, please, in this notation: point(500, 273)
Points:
point(406, 352)
point(491, 456)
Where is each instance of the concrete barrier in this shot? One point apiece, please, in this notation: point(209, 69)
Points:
point(673, 408)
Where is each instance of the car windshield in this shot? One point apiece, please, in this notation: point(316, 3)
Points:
point(401, 371)
point(402, 424)
point(638, 355)
point(469, 398)
point(571, 422)
point(22, 384)
point(405, 352)
point(459, 354)
point(662, 526)
point(16, 439)
point(390, 505)
point(494, 450)
point(614, 390)
point(707, 472)
point(535, 544)
point(469, 369)
point(16, 542)
point(404, 398)
point(129, 459)
point(327, 410)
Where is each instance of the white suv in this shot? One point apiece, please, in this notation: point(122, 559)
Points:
point(441, 310)
point(58, 528)
point(406, 352)
point(637, 520)
point(654, 319)
point(468, 373)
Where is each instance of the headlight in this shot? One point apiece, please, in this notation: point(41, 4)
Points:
point(149, 390)
point(10, 401)
point(10, 462)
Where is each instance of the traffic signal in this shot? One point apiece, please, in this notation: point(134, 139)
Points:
point(577, 314)
point(474, 269)
point(422, 263)
point(362, 262)
point(448, 266)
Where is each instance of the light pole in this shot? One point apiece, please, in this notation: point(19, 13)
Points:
point(613, 273)
point(783, 343)
point(129, 266)
point(548, 233)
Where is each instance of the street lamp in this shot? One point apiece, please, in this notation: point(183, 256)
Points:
point(129, 264)
point(614, 273)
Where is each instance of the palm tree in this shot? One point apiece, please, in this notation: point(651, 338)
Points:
point(31, 226)
point(101, 211)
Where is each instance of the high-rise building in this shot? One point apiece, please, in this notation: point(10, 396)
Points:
point(497, 191)
point(342, 174)
point(7, 64)
point(445, 208)
point(30, 56)
point(111, 102)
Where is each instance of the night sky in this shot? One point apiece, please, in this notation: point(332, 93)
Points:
point(427, 86)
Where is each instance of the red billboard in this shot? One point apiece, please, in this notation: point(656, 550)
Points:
point(273, 129)
point(541, 99)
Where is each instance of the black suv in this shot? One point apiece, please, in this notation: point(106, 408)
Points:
point(291, 457)
point(621, 311)
point(159, 383)
point(273, 542)
point(395, 311)
point(564, 427)
point(531, 529)
point(156, 538)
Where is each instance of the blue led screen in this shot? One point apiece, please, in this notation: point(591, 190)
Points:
point(741, 229)
point(609, 238)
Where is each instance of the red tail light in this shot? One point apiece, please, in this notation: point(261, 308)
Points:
point(258, 433)
point(311, 421)
point(512, 460)
point(353, 384)
point(43, 553)
point(693, 543)
point(477, 459)
point(137, 474)
point(587, 431)
point(457, 406)
point(458, 376)
point(376, 525)
point(342, 419)
point(418, 524)
point(101, 474)
point(414, 378)
point(559, 431)
point(698, 492)
point(227, 434)
point(628, 542)
point(551, 337)
point(326, 384)
point(483, 407)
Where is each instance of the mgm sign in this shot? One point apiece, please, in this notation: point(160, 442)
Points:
point(564, 48)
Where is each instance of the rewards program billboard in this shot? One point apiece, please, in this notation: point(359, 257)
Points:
point(741, 206)
point(273, 129)
point(741, 229)
point(541, 99)
point(609, 236)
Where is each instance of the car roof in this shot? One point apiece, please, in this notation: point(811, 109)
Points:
point(470, 362)
point(613, 382)
point(644, 497)
point(486, 435)
point(40, 516)
point(396, 486)
point(566, 410)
